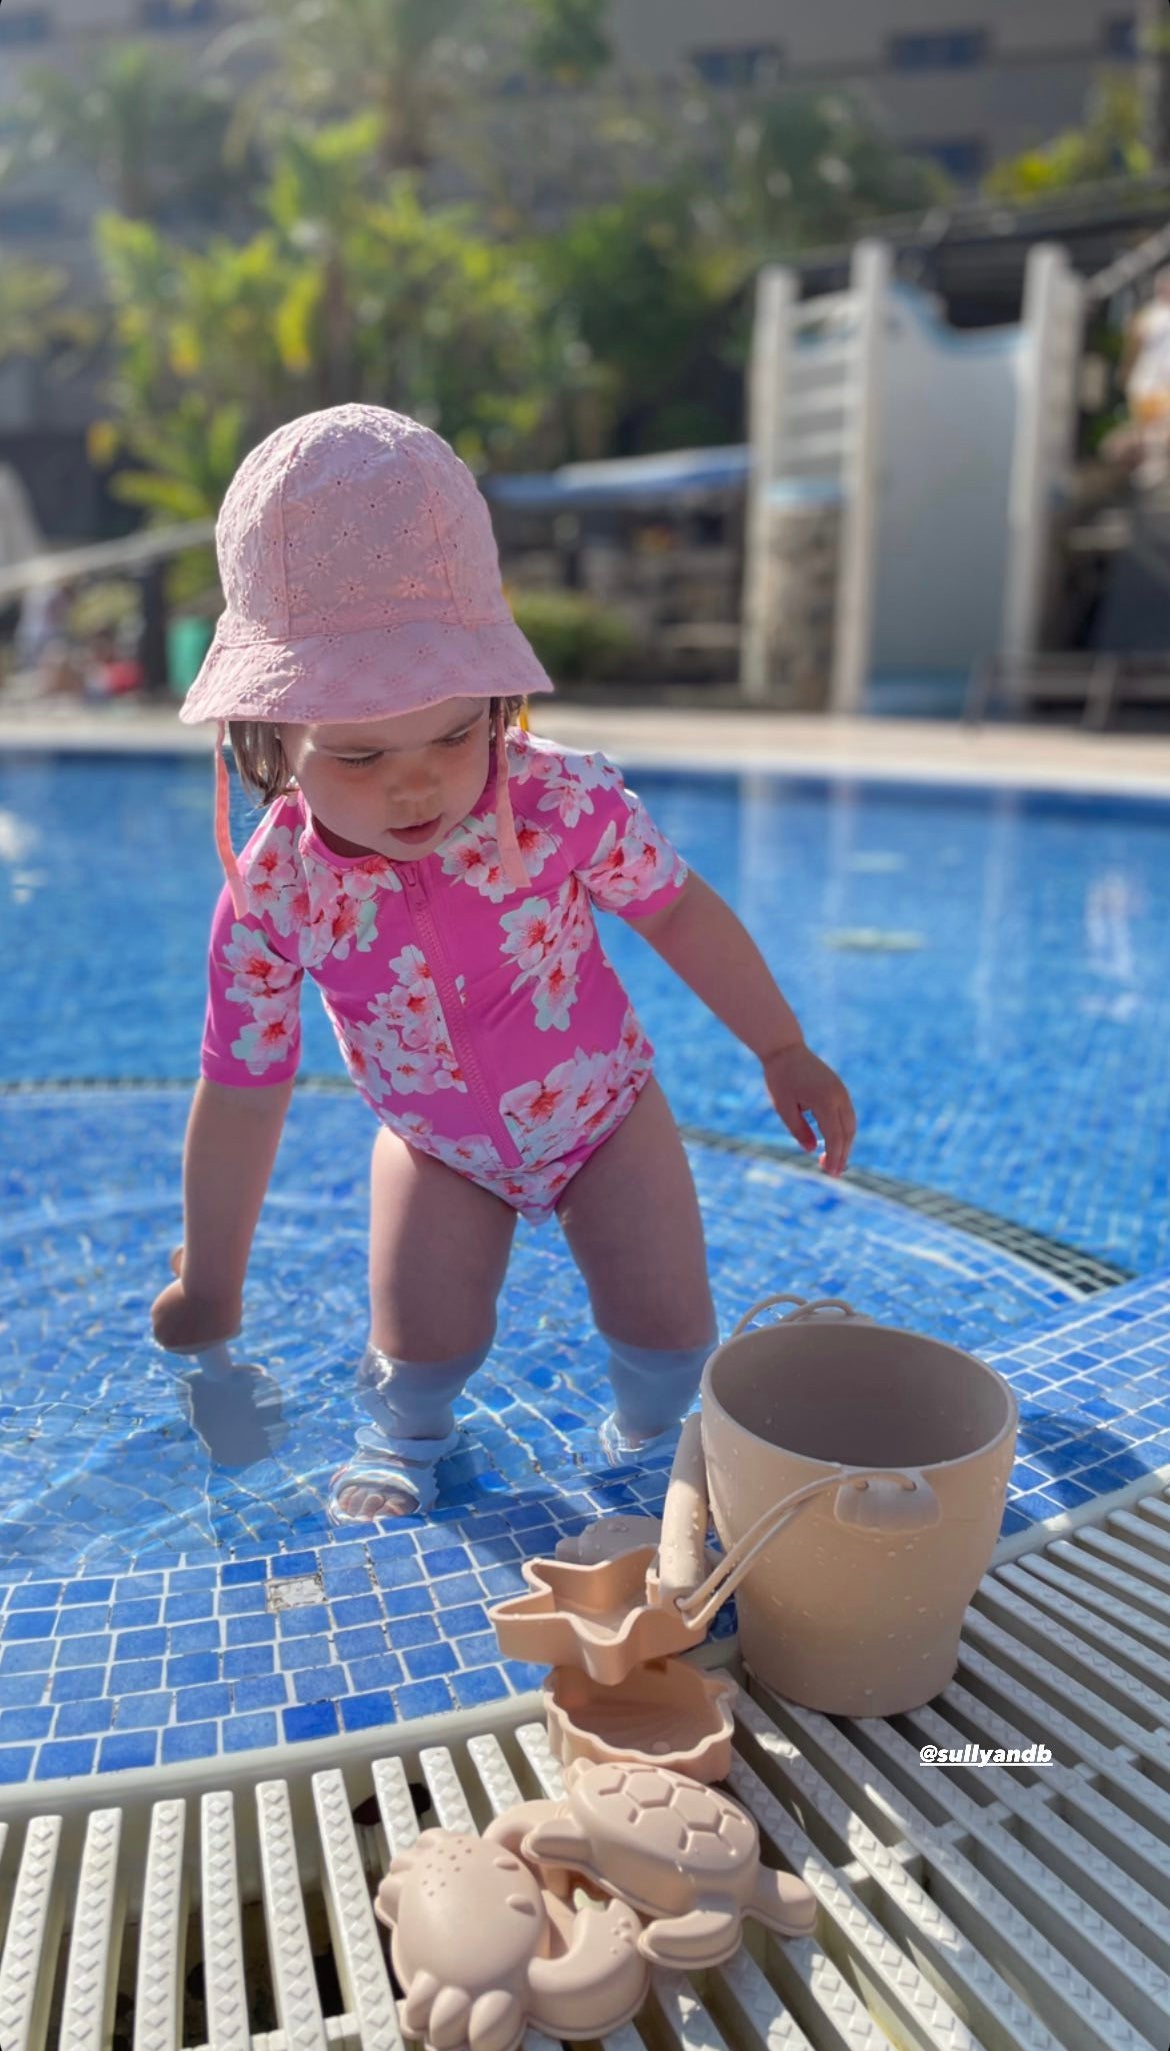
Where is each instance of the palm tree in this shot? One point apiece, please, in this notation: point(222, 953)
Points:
point(402, 58)
point(148, 134)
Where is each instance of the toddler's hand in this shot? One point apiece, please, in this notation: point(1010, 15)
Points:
point(186, 1324)
point(798, 1082)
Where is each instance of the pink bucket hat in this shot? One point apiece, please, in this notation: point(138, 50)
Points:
point(361, 579)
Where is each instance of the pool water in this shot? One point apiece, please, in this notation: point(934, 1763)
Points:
point(981, 967)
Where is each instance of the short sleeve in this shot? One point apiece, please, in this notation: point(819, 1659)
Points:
point(252, 1032)
point(625, 861)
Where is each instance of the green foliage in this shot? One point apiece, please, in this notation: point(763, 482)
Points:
point(36, 313)
point(575, 638)
point(1110, 145)
point(569, 40)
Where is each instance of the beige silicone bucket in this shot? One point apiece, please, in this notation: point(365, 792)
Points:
point(854, 1606)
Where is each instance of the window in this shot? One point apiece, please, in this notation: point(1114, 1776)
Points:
point(24, 25)
point(178, 13)
point(746, 64)
point(1119, 36)
point(954, 49)
point(963, 158)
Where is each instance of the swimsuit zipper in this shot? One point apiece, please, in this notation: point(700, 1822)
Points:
point(418, 897)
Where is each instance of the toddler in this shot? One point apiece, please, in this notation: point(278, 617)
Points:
point(436, 870)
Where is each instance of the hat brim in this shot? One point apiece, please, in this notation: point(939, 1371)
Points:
point(374, 674)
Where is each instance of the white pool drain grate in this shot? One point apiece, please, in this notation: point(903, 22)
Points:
point(1013, 1909)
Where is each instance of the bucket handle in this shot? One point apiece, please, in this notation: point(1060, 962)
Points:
point(805, 1309)
point(886, 1515)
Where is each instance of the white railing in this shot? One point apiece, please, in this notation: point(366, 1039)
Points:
point(812, 403)
point(1046, 418)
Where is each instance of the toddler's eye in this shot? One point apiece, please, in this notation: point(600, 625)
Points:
point(357, 761)
point(457, 740)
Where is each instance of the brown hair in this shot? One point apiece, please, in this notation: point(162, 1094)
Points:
point(260, 758)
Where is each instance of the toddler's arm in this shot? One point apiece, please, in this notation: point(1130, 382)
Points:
point(232, 1138)
point(704, 943)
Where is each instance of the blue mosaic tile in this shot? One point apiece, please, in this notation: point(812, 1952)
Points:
point(249, 1733)
point(189, 1741)
point(15, 1764)
point(367, 1712)
point(125, 1750)
point(423, 1698)
point(66, 1760)
point(260, 1691)
point(311, 1720)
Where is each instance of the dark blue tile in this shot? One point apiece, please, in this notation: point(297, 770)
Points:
point(15, 1764)
point(66, 1760)
point(455, 1589)
point(310, 1720)
point(21, 1691)
point(237, 1571)
point(366, 1712)
point(408, 1602)
point(131, 1616)
point(345, 1580)
point(87, 1591)
point(524, 1674)
point(125, 1750)
point(287, 1566)
point(185, 1609)
point(449, 1559)
point(465, 1622)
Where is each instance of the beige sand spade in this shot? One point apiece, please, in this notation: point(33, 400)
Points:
point(665, 1713)
point(686, 1857)
point(896, 1449)
point(481, 1949)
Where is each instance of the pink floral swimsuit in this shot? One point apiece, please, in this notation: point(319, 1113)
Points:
point(483, 1024)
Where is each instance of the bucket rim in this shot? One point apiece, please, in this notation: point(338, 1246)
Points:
point(1007, 1430)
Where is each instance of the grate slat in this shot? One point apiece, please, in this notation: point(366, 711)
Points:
point(223, 1942)
point(157, 2010)
point(395, 1805)
point(32, 1938)
point(91, 1982)
point(294, 1980)
point(357, 1946)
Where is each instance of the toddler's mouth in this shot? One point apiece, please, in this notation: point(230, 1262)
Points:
point(414, 835)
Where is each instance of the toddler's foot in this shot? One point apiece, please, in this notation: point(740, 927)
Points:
point(236, 1411)
point(373, 1484)
point(623, 1448)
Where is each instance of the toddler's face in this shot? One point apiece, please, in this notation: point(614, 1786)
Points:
point(392, 786)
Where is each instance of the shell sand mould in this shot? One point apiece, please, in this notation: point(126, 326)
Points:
point(665, 1713)
point(686, 1857)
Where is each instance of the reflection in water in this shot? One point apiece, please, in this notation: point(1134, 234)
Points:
point(1112, 901)
point(235, 1408)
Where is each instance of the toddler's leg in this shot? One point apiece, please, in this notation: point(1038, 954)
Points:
point(631, 1218)
point(439, 1248)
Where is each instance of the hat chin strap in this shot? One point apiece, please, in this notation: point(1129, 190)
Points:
point(511, 859)
point(223, 826)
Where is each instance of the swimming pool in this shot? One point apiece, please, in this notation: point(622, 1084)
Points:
point(981, 966)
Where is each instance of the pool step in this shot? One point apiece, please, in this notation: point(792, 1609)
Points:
point(963, 1907)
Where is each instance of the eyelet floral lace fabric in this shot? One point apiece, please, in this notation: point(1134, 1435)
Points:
point(483, 1024)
